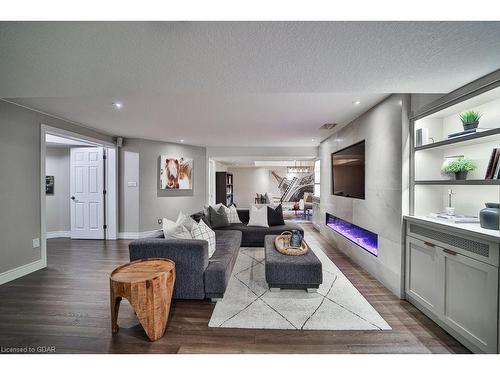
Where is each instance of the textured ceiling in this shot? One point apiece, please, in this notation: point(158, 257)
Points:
point(242, 83)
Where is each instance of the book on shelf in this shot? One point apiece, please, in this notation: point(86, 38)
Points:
point(467, 132)
point(457, 219)
point(492, 170)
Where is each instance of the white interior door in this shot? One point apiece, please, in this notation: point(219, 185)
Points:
point(87, 193)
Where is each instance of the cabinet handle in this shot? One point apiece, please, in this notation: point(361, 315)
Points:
point(450, 252)
point(430, 244)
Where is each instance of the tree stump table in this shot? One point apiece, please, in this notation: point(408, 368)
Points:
point(148, 285)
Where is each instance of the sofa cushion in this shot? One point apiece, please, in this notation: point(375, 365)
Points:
point(220, 266)
point(275, 216)
point(254, 236)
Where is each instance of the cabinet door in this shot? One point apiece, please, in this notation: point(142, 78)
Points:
point(421, 273)
point(470, 298)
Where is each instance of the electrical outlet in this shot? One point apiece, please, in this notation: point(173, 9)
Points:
point(36, 243)
point(160, 221)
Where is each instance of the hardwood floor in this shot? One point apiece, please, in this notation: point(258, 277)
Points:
point(65, 308)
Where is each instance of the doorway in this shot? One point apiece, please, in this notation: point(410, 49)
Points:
point(79, 187)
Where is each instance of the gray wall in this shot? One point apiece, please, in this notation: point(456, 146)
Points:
point(57, 162)
point(381, 210)
point(20, 181)
point(153, 202)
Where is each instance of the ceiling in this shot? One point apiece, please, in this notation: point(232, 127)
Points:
point(234, 83)
point(265, 162)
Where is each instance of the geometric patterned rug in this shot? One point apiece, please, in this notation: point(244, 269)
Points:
point(248, 302)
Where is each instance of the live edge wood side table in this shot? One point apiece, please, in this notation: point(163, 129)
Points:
point(148, 285)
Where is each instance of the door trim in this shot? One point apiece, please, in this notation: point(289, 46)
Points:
point(112, 189)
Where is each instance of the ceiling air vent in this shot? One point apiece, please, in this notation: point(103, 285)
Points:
point(328, 126)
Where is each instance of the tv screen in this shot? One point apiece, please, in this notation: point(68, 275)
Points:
point(348, 171)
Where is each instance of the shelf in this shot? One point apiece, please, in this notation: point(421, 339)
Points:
point(474, 138)
point(458, 182)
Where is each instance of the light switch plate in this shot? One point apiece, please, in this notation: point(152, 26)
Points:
point(132, 184)
point(36, 243)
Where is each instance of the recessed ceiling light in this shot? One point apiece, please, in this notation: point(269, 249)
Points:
point(117, 105)
point(181, 140)
point(357, 102)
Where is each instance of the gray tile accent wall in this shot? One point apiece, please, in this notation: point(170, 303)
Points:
point(381, 210)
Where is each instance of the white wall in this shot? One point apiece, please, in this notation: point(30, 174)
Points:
point(381, 210)
point(57, 164)
point(248, 181)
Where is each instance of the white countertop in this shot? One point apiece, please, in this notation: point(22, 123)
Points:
point(475, 228)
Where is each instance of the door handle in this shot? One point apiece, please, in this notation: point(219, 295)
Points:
point(451, 252)
point(430, 244)
point(73, 198)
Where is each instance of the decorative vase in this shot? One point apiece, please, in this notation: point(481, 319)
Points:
point(471, 125)
point(296, 239)
point(489, 216)
point(462, 175)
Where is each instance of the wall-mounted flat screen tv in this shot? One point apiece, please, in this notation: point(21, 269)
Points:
point(348, 171)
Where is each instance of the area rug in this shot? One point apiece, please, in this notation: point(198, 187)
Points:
point(248, 302)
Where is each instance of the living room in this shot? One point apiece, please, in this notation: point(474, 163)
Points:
point(195, 187)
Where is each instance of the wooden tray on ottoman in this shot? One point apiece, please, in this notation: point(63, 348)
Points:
point(282, 243)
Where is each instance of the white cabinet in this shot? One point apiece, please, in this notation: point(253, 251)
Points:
point(470, 298)
point(456, 290)
point(422, 273)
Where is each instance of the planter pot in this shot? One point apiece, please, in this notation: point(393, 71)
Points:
point(460, 175)
point(489, 216)
point(471, 125)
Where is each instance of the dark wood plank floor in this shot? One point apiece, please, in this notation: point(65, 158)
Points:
point(66, 306)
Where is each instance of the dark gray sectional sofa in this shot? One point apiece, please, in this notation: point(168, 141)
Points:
point(197, 276)
point(254, 236)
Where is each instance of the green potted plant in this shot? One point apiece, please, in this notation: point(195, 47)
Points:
point(460, 167)
point(470, 119)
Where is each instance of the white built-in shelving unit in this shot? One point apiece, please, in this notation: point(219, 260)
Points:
point(429, 186)
point(451, 269)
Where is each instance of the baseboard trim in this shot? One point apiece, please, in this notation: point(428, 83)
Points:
point(59, 234)
point(21, 271)
point(137, 235)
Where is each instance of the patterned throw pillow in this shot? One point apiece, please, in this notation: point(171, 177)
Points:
point(233, 215)
point(201, 231)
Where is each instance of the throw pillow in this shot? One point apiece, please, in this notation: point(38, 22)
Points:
point(218, 218)
point(258, 217)
point(233, 216)
point(201, 231)
point(173, 230)
point(188, 223)
point(275, 216)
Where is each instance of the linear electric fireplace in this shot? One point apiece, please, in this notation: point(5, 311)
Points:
point(361, 237)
